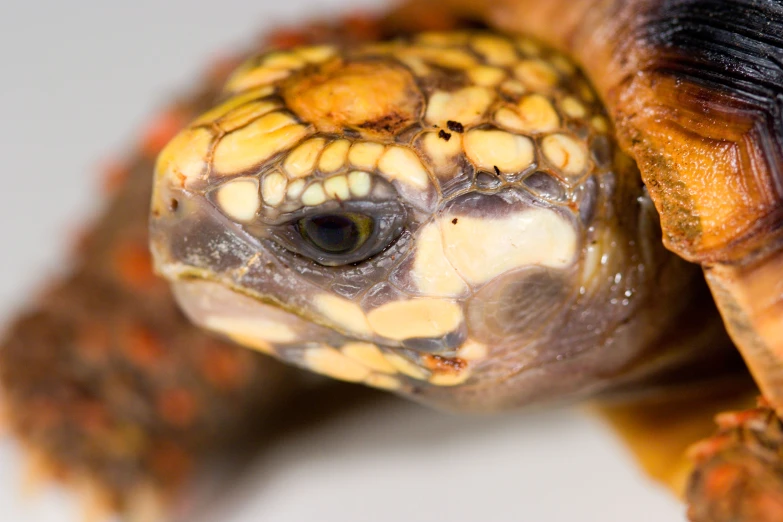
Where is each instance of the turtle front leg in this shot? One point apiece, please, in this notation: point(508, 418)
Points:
point(109, 387)
point(738, 473)
point(122, 399)
point(659, 429)
point(735, 475)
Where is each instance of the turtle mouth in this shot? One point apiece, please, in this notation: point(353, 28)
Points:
point(218, 305)
point(295, 337)
point(209, 302)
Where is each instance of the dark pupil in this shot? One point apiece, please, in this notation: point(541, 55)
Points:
point(335, 234)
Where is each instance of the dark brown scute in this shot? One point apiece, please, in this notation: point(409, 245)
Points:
point(733, 50)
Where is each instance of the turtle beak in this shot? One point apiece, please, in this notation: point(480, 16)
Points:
point(167, 225)
point(184, 229)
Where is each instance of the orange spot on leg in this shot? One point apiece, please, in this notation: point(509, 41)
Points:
point(178, 407)
point(133, 265)
point(224, 369)
point(722, 480)
point(143, 347)
point(706, 448)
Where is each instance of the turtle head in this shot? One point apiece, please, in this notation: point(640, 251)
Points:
point(434, 216)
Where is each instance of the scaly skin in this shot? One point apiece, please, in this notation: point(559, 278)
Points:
point(739, 471)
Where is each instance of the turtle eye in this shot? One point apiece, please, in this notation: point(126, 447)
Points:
point(344, 234)
point(337, 234)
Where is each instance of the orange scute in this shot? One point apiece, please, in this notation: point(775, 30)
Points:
point(377, 98)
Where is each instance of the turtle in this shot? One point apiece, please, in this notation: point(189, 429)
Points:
point(459, 202)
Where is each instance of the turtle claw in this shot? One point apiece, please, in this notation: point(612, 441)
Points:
point(738, 475)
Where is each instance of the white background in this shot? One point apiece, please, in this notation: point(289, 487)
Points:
point(79, 79)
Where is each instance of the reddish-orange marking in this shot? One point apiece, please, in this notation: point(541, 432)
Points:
point(133, 265)
point(722, 480)
point(734, 419)
point(223, 369)
point(143, 347)
point(178, 407)
point(705, 449)
point(439, 364)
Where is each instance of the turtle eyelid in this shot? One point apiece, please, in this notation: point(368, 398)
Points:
point(345, 234)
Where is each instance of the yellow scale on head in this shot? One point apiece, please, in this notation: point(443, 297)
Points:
point(312, 125)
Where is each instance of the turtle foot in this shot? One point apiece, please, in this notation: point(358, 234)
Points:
point(738, 474)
